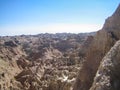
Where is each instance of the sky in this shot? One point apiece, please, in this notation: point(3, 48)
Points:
point(53, 16)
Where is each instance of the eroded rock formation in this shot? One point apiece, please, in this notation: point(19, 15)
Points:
point(40, 62)
point(108, 74)
point(103, 41)
point(52, 61)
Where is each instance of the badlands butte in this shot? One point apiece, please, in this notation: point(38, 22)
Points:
point(63, 61)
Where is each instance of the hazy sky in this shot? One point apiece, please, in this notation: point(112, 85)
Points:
point(51, 16)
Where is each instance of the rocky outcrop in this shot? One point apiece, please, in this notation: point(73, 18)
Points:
point(108, 74)
point(103, 41)
point(10, 43)
point(9, 68)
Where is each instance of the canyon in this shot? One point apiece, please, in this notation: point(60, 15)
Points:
point(63, 61)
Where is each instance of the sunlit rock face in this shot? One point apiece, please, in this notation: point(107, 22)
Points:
point(9, 54)
point(103, 41)
point(108, 74)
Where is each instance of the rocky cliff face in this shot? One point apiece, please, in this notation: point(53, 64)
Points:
point(103, 41)
point(10, 53)
point(108, 74)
